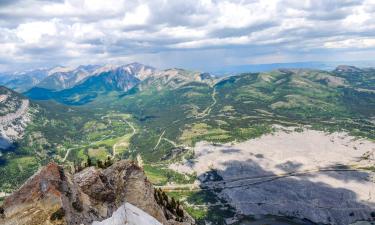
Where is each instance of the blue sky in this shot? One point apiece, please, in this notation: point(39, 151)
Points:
point(178, 33)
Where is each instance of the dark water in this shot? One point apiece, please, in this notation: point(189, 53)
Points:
point(273, 220)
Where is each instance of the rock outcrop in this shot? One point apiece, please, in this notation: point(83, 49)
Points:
point(55, 196)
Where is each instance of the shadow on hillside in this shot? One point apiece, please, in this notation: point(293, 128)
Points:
point(7, 147)
point(4, 144)
point(255, 191)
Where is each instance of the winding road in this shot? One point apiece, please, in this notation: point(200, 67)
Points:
point(134, 131)
point(113, 147)
point(80, 146)
point(157, 144)
point(207, 111)
point(201, 115)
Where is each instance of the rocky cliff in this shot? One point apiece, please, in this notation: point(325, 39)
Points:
point(117, 195)
point(14, 116)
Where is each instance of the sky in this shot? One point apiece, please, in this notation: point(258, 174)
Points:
point(196, 34)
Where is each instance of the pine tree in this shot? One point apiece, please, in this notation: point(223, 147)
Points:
point(173, 203)
point(156, 195)
point(108, 162)
point(165, 197)
point(99, 164)
point(160, 196)
point(89, 162)
point(180, 212)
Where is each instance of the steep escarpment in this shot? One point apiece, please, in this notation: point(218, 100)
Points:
point(118, 193)
point(14, 116)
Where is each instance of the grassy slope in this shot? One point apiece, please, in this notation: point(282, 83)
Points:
point(246, 107)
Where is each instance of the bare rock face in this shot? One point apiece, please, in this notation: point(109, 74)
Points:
point(14, 117)
point(39, 198)
point(54, 196)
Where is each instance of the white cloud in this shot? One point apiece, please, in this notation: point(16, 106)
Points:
point(100, 5)
point(234, 15)
point(137, 17)
point(7, 49)
point(85, 31)
point(33, 32)
point(84, 8)
point(79, 31)
point(58, 9)
point(181, 32)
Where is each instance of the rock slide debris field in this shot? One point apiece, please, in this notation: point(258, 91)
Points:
point(323, 177)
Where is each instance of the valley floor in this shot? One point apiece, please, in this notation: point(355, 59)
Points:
point(327, 178)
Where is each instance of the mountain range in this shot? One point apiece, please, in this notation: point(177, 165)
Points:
point(108, 79)
point(160, 117)
point(60, 78)
point(22, 81)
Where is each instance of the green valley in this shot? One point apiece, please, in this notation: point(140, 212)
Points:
point(159, 120)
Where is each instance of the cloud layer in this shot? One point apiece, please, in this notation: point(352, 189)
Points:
point(197, 34)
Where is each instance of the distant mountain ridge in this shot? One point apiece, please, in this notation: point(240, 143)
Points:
point(68, 78)
point(60, 77)
point(22, 81)
point(137, 77)
point(86, 83)
point(246, 68)
point(119, 79)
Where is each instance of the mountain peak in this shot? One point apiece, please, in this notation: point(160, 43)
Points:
point(136, 64)
point(60, 69)
point(139, 70)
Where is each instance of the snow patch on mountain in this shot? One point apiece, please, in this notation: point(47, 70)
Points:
point(128, 214)
point(60, 69)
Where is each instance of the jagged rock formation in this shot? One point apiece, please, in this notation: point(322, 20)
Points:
point(55, 196)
